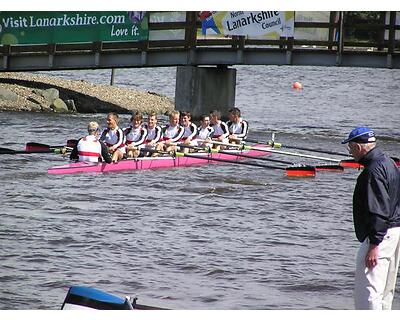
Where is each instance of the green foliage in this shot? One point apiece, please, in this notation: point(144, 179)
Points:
point(357, 25)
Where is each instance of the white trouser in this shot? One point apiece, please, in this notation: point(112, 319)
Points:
point(374, 288)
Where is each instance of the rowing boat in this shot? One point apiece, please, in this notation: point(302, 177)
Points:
point(154, 162)
point(87, 298)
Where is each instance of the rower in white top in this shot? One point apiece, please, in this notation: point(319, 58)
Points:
point(135, 135)
point(221, 130)
point(114, 137)
point(154, 133)
point(204, 133)
point(171, 133)
point(238, 128)
point(190, 130)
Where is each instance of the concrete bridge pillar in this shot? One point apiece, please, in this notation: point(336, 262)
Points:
point(202, 89)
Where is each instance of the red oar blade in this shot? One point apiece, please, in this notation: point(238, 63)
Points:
point(34, 146)
point(350, 163)
point(396, 161)
point(302, 171)
point(329, 167)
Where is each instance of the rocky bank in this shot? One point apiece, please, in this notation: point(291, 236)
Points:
point(38, 93)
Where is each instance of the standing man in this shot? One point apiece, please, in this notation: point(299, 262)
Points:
point(376, 214)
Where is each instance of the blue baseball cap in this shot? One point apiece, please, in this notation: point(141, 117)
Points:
point(361, 135)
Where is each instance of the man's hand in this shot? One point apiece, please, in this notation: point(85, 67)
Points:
point(371, 259)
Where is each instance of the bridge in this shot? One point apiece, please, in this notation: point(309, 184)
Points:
point(191, 51)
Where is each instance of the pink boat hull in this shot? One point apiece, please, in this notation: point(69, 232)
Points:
point(151, 163)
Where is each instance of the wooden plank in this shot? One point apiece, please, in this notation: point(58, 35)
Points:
point(167, 43)
point(191, 30)
point(332, 28)
point(167, 25)
point(123, 45)
point(30, 48)
point(392, 32)
point(323, 25)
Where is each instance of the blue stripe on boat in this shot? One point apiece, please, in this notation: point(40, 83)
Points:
point(95, 294)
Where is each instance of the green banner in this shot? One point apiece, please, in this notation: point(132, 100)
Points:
point(23, 27)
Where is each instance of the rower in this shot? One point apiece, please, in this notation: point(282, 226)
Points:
point(204, 133)
point(135, 135)
point(190, 130)
point(153, 135)
point(171, 133)
point(89, 148)
point(220, 128)
point(238, 128)
point(114, 137)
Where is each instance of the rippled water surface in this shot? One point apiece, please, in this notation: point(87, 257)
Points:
point(209, 237)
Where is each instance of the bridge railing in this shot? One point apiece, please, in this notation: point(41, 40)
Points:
point(190, 38)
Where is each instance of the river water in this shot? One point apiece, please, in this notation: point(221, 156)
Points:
point(210, 237)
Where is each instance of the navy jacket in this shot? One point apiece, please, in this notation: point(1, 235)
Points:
point(376, 199)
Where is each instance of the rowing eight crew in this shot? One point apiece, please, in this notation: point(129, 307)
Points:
point(138, 139)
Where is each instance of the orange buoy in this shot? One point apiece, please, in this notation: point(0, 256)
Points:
point(297, 85)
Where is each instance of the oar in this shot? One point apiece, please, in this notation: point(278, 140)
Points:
point(280, 145)
point(320, 167)
point(299, 171)
point(137, 306)
point(323, 167)
point(351, 163)
point(35, 146)
point(344, 163)
point(152, 151)
point(11, 151)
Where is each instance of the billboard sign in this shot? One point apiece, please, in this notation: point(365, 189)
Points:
point(24, 27)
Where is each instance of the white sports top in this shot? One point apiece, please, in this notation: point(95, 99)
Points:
point(89, 149)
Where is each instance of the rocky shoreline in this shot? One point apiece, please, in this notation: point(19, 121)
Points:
point(38, 93)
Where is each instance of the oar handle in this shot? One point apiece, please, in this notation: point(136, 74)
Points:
point(154, 151)
point(253, 157)
point(280, 145)
point(300, 155)
point(242, 146)
point(11, 151)
point(181, 154)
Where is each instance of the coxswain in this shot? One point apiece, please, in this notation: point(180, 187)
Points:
point(135, 135)
point(238, 128)
point(114, 137)
point(190, 130)
point(221, 130)
point(171, 133)
point(89, 148)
